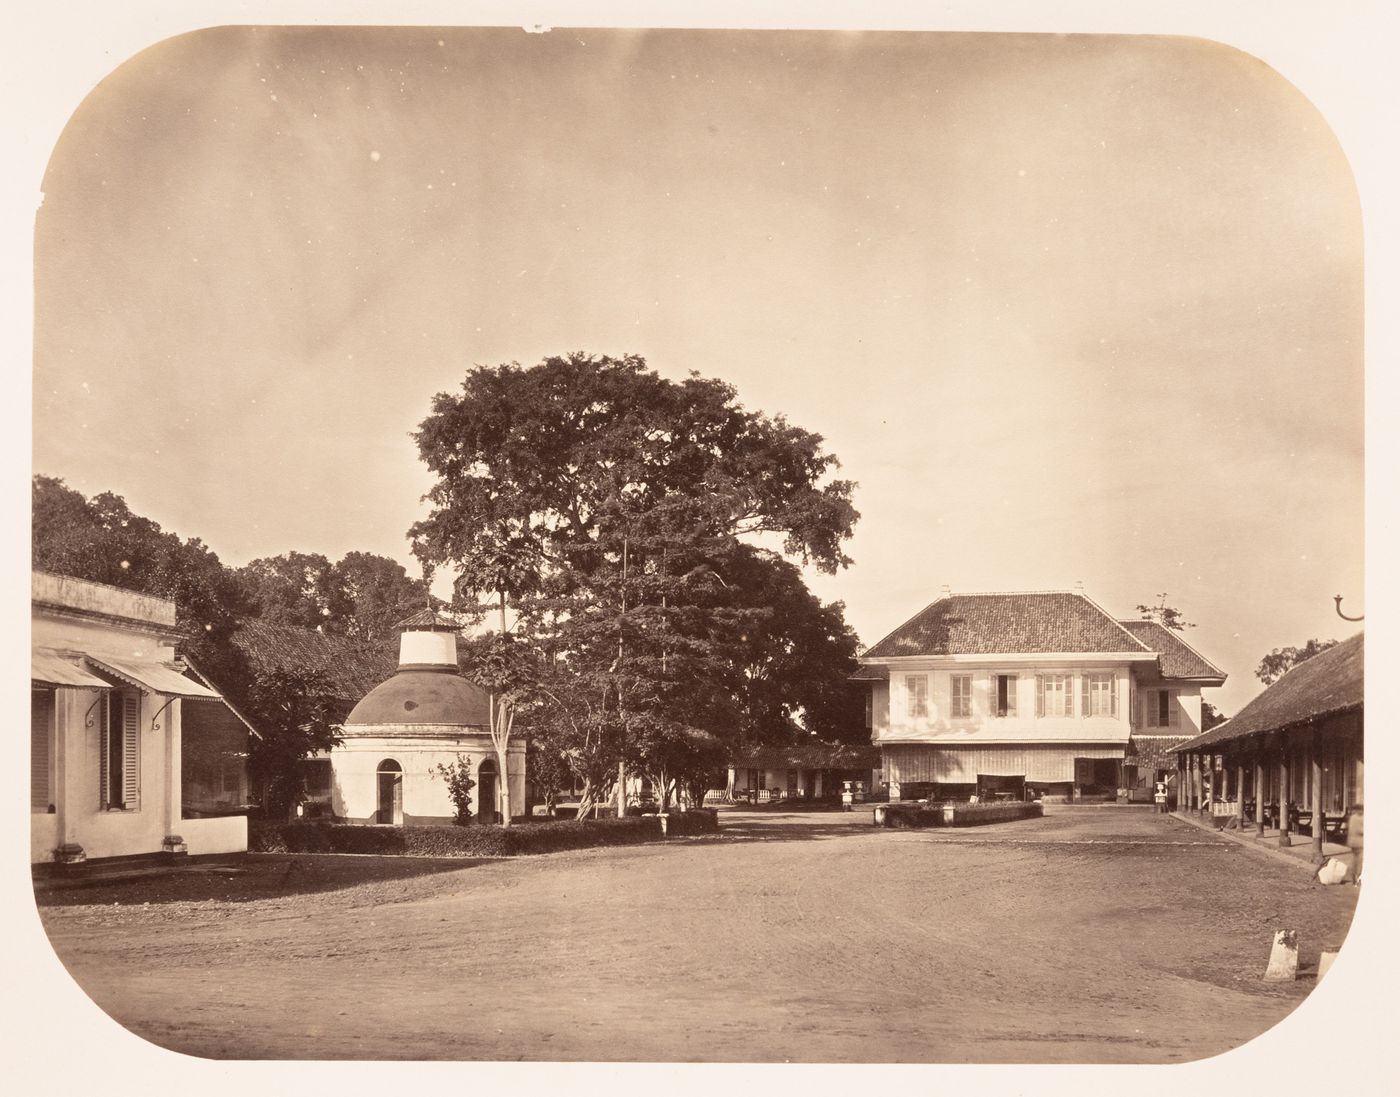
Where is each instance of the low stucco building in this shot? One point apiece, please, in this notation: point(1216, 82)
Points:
point(426, 714)
point(106, 704)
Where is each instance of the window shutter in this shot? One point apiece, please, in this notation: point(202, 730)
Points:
point(40, 719)
point(131, 726)
point(1011, 681)
point(104, 748)
point(1040, 695)
point(1173, 710)
point(1113, 696)
point(1084, 709)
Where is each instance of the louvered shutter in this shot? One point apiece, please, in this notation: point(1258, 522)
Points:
point(1011, 694)
point(1173, 710)
point(1084, 708)
point(1040, 695)
point(131, 743)
point(40, 719)
point(1113, 696)
point(104, 754)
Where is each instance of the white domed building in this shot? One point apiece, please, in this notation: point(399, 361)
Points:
point(425, 715)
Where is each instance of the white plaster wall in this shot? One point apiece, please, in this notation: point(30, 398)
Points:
point(355, 783)
point(43, 837)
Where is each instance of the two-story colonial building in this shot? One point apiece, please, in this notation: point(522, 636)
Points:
point(1042, 693)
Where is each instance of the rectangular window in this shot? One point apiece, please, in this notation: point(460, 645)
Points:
point(961, 686)
point(1056, 698)
point(1003, 695)
point(870, 709)
point(916, 696)
point(1100, 695)
point(1165, 709)
point(119, 762)
point(40, 749)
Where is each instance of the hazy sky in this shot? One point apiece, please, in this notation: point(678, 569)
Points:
point(1067, 308)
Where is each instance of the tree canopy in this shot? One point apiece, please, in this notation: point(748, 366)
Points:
point(1281, 660)
point(362, 595)
point(646, 532)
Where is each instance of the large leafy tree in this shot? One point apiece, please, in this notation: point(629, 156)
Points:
point(361, 595)
point(1281, 660)
point(617, 512)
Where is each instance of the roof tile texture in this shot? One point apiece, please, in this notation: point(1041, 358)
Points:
point(984, 624)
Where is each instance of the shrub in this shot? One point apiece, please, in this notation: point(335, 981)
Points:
point(459, 788)
point(544, 836)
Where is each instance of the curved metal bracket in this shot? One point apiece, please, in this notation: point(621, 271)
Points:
point(88, 719)
point(155, 726)
point(1338, 599)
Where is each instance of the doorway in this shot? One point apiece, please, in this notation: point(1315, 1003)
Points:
point(486, 779)
point(390, 806)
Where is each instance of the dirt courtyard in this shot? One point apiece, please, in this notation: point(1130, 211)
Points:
point(1092, 935)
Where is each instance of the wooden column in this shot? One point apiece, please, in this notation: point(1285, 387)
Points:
point(1239, 791)
point(1318, 827)
point(1283, 791)
point(1259, 789)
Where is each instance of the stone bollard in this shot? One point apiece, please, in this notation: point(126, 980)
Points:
point(1283, 957)
point(879, 815)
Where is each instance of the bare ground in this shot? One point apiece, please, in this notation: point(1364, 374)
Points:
point(1092, 935)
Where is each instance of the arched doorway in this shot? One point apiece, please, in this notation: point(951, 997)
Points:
point(390, 778)
point(486, 778)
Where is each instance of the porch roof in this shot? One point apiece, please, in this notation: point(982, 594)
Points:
point(1324, 685)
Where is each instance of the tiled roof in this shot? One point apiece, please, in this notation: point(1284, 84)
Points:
point(351, 667)
point(870, 674)
point(983, 624)
point(1326, 684)
point(1178, 658)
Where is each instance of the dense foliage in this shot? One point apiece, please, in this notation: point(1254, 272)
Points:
point(629, 522)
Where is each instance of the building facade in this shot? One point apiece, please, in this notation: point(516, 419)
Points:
point(106, 704)
point(1031, 693)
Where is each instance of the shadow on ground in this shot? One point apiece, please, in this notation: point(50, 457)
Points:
point(246, 879)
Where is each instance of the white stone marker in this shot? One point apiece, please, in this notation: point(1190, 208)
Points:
point(1324, 962)
point(1283, 958)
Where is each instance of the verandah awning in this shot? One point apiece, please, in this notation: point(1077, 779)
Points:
point(53, 668)
point(150, 676)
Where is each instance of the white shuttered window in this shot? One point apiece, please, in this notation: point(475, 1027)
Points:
point(1054, 695)
point(1099, 695)
point(961, 686)
point(916, 696)
point(119, 768)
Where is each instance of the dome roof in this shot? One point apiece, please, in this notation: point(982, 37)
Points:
point(423, 697)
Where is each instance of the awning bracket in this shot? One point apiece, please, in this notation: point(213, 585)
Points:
point(88, 719)
point(155, 720)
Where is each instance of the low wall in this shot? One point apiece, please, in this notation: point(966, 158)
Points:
point(43, 838)
point(227, 834)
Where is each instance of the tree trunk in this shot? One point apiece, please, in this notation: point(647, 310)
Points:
point(587, 798)
point(622, 790)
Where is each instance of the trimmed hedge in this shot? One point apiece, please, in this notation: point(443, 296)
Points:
point(476, 840)
point(918, 814)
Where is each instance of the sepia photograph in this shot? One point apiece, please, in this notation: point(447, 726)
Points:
point(697, 545)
